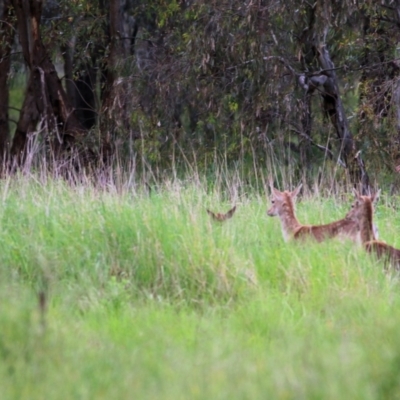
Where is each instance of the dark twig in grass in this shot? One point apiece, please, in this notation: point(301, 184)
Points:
point(42, 301)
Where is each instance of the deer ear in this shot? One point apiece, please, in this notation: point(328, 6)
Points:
point(375, 197)
point(296, 191)
point(270, 181)
point(356, 194)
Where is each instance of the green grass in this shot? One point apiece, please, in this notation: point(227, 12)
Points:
point(148, 298)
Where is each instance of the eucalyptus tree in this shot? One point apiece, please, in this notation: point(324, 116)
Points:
point(62, 113)
point(46, 106)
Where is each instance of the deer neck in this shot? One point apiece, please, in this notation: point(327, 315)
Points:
point(289, 222)
point(366, 224)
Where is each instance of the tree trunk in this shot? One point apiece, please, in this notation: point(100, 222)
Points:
point(111, 71)
point(45, 101)
point(7, 37)
point(316, 54)
point(332, 102)
point(113, 103)
point(333, 108)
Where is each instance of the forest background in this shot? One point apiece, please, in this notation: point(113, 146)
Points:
point(310, 86)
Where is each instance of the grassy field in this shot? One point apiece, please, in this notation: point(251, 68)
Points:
point(144, 297)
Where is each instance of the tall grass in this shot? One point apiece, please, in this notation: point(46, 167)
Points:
point(147, 297)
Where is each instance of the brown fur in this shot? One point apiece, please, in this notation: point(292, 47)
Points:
point(362, 212)
point(384, 251)
point(283, 207)
point(341, 228)
point(222, 217)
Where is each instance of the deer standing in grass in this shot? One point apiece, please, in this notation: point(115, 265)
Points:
point(362, 212)
point(283, 207)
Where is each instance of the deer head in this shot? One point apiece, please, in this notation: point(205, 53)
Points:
point(362, 211)
point(282, 202)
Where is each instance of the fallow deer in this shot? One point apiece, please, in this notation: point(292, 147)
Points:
point(222, 217)
point(283, 207)
point(362, 212)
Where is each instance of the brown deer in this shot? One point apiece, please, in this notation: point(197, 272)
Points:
point(283, 207)
point(222, 217)
point(362, 212)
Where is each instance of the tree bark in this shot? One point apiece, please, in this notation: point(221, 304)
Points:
point(6, 40)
